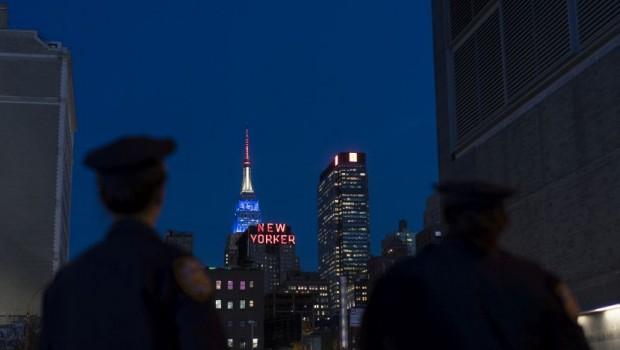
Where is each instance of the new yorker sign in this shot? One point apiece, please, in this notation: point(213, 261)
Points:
point(271, 234)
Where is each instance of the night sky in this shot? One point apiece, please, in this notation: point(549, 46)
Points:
point(308, 77)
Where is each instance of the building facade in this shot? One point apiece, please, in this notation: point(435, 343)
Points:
point(239, 302)
point(432, 233)
point(271, 248)
point(343, 223)
point(37, 127)
point(527, 96)
point(310, 283)
point(399, 243)
point(297, 309)
point(343, 234)
point(183, 240)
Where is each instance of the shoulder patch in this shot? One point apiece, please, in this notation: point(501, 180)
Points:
point(192, 278)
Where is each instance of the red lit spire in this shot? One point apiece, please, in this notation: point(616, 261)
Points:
point(246, 159)
point(246, 185)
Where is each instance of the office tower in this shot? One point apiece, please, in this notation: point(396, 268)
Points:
point(183, 240)
point(37, 124)
point(343, 224)
point(247, 212)
point(527, 96)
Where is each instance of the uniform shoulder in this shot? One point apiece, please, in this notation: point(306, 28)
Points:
point(191, 277)
point(520, 262)
point(525, 266)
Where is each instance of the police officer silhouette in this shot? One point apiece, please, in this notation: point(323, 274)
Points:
point(131, 291)
point(467, 293)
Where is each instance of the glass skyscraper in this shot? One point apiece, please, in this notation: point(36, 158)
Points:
point(343, 223)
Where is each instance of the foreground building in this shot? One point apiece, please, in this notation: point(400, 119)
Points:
point(527, 96)
point(309, 283)
point(37, 124)
point(296, 310)
point(239, 302)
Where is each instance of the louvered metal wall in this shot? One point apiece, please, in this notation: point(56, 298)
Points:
point(596, 16)
point(503, 49)
point(478, 76)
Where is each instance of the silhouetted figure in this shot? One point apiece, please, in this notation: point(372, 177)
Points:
point(466, 293)
point(131, 291)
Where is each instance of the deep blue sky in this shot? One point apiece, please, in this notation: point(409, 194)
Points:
point(309, 77)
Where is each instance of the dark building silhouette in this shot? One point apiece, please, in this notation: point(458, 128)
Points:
point(432, 233)
point(310, 283)
point(239, 301)
point(527, 96)
point(399, 243)
point(395, 246)
point(183, 240)
point(297, 309)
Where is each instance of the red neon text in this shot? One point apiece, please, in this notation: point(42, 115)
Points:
point(272, 238)
point(271, 228)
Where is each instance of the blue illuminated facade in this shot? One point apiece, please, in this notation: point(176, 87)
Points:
point(247, 213)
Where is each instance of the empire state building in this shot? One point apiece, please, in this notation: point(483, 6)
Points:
point(247, 212)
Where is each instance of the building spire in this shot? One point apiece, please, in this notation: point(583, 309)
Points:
point(246, 185)
point(246, 159)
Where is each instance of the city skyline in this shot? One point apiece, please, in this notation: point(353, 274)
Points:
point(422, 168)
point(373, 95)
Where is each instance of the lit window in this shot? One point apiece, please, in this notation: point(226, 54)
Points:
point(230, 305)
point(251, 302)
point(242, 345)
point(218, 284)
point(218, 304)
point(353, 157)
point(230, 285)
point(242, 285)
point(229, 342)
point(251, 284)
point(242, 304)
point(254, 343)
point(336, 160)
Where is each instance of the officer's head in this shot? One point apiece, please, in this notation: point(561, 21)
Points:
point(131, 175)
point(474, 209)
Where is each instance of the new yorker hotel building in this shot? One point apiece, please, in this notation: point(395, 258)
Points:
point(343, 223)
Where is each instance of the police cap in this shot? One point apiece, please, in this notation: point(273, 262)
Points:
point(129, 154)
point(472, 194)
